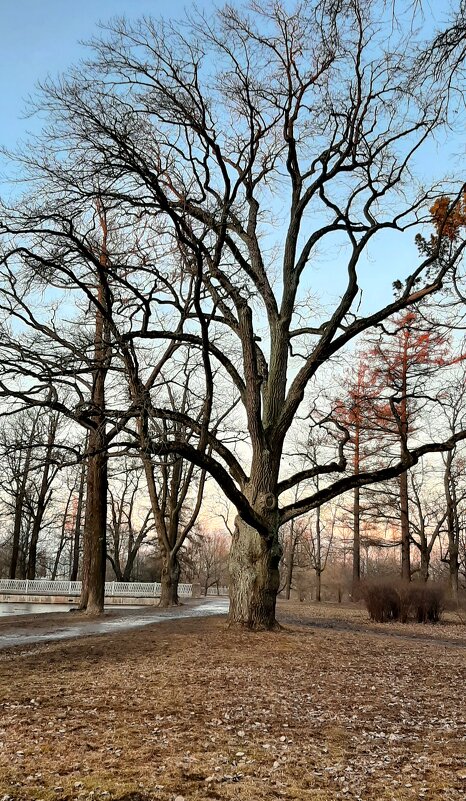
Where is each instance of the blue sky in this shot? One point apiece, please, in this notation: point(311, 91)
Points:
point(41, 37)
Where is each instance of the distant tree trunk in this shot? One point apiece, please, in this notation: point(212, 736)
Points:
point(41, 499)
point(61, 544)
point(290, 565)
point(404, 522)
point(170, 566)
point(355, 590)
point(95, 523)
point(404, 496)
point(424, 565)
point(355, 593)
point(19, 502)
point(452, 526)
point(166, 508)
point(130, 556)
point(133, 550)
point(26, 525)
point(318, 586)
point(318, 557)
point(77, 522)
point(116, 568)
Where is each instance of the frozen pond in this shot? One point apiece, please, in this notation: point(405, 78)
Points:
point(32, 609)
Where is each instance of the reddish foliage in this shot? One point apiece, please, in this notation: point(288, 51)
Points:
point(449, 219)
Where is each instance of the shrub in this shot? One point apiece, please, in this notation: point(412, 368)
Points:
point(382, 601)
point(428, 602)
point(396, 600)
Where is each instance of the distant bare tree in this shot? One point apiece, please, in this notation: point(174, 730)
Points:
point(208, 555)
point(129, 524)
point(453, 405)
point(426, 521)
point(30, 466)
point(18, 437)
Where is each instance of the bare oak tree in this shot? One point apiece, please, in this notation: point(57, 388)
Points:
point(255, 140)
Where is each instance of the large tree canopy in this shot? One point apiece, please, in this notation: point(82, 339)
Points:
point(229, 152)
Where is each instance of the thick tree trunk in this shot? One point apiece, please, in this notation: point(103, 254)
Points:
point(254, 577)
point(169, 581)
point(424, 566)
point(95, 520)
point(95, 524)
point(405, 543)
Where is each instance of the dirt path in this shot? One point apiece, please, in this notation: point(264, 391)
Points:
point(23, 630)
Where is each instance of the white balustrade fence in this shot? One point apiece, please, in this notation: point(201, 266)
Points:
point(133, 589)
point(114, 589)
point(219, 591)
point(39, 587)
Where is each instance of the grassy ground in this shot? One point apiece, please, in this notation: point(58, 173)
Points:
point(331, 707)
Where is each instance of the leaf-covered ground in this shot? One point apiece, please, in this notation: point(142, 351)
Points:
point(331, 707)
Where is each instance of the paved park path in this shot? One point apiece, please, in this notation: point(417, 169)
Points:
point(27, 630)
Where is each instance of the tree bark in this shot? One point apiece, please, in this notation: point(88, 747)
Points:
point(424, 566)
point(169, 580)
point(404, 523)
point(95, 520)
point(254, 577)
point(95, 523)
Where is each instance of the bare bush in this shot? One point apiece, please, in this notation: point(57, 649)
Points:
point(427, 602)
point(382, 601)
point(392, 600)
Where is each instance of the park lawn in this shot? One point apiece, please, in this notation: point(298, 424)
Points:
point(331, 707)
